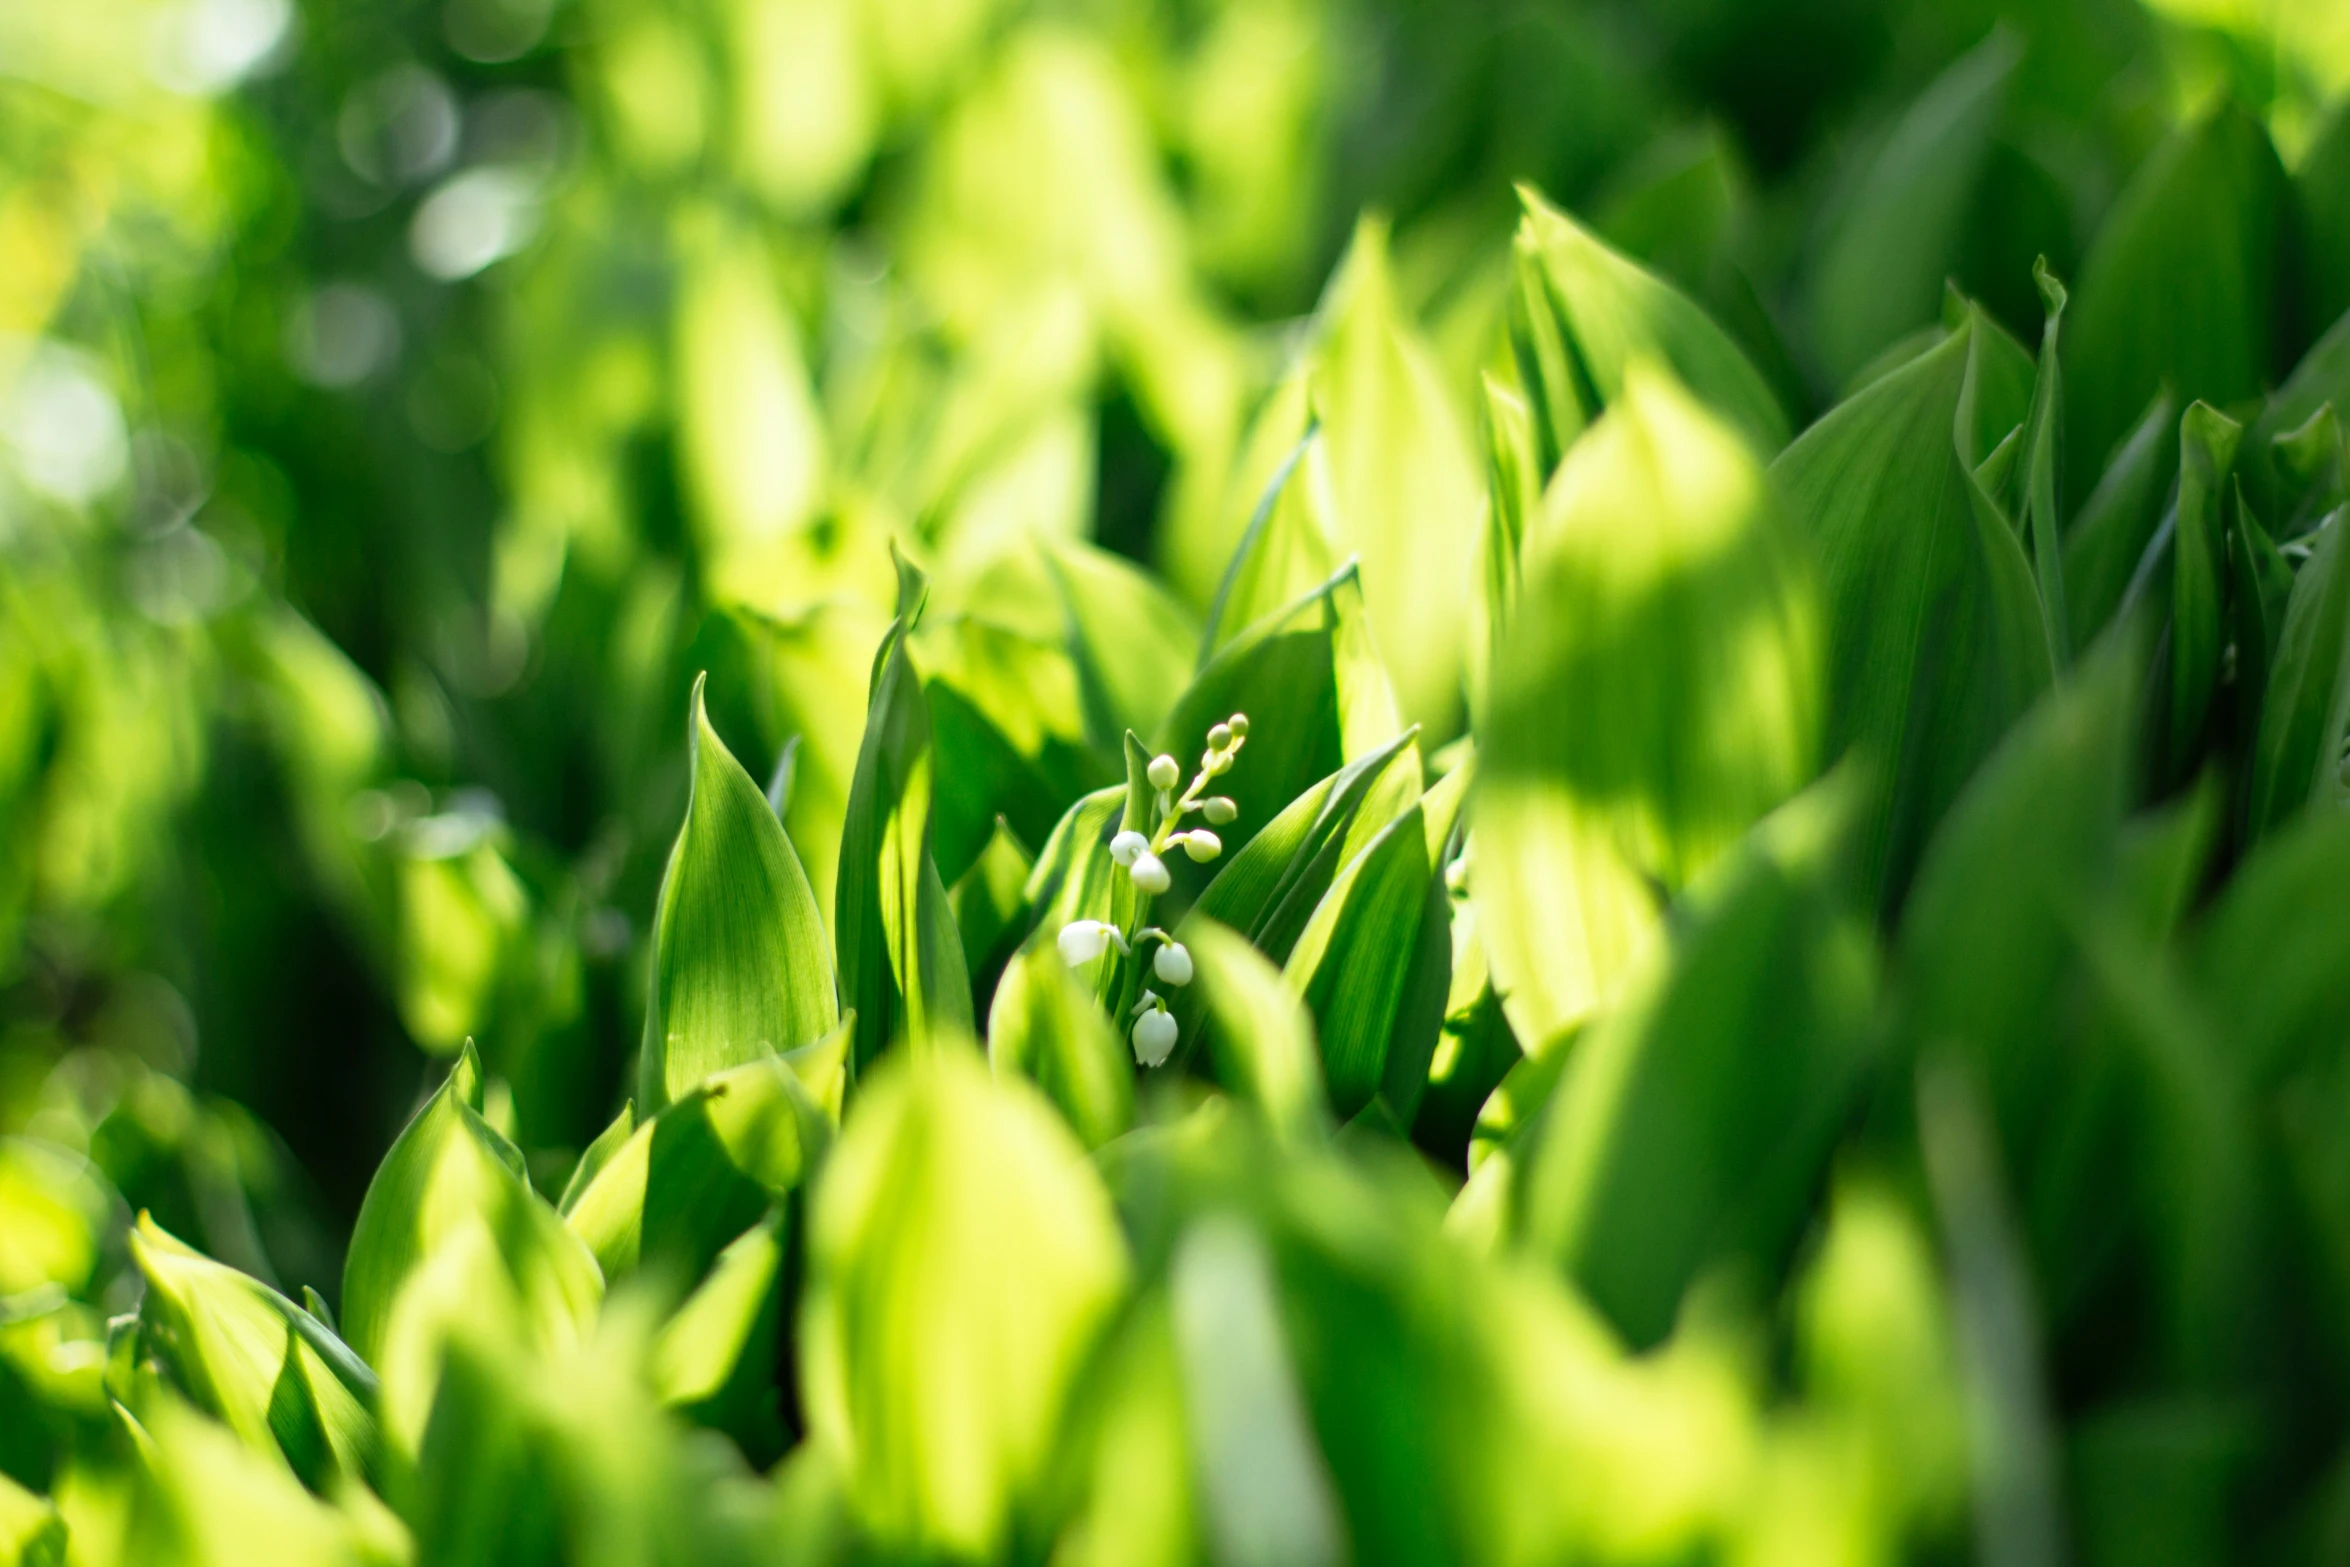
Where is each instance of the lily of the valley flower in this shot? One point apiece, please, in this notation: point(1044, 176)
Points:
point(1081, 941)
point(1173, 964)
point(1150, 873)
point(1154, 1036)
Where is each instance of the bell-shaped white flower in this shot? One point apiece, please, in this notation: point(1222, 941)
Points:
point(1154, 1037)
point(1173, 964)
point(1081, 941)
point(1128, 847)
point(1150, 873)
point(1163, 772)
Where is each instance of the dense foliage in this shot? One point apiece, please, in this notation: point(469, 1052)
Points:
point(1158, 781)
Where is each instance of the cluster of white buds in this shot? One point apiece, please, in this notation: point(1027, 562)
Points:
point(1143, 858)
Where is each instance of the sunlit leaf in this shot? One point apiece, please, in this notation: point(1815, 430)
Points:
point(1046, 1027)
point(1582, 315)
point(740, 966)
point(901, 959)
point(1132, 643)
point(1288, 551)
point(275, 1375)
point(715, 1357)
point(447, 1173)
point(1659, 691)
point(1691, 1124)
point(963, 1258)
point(204, 1499)
point(1008, 736)
point(1258, 1036)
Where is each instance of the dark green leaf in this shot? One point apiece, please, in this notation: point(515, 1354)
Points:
point(2305, 712)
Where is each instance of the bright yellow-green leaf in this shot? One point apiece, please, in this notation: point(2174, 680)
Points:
point(53, 1216)
point(204, 1499)
point(1658, 692)
point(1289, 550)
point(278, 1377)
point(962, 1260)
point(740, 965)
point(1046, 1027)
point(715, 1357)
point(1259, 1037)
point(901, 959)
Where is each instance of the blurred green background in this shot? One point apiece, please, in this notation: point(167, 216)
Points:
point(400, 401)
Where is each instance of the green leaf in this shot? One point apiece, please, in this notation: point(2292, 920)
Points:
point(1897, 237)
point(450, 1174)
point(990, 903)
point(1657, 694)
point(2282, 477)
point(1074, 878)
point(1131, 641)
point(2305, 712)
point(1316, 695)
point(715, 1357)
point(697, 1175)
point(2273, 954)
point(799, 681)
point(1514, 477)
point(963, 1259)
point(1288, 550)
point(2260, 587)
point(1256, 1034)
point(2119, 521)
point(739, 961)
point(2039, 499)
point(2180, 288)
point(901, 959)
point(1271, 887)
point(265, 1367)
point(1693, 1124)
point(199, 1496)
point(1475, 1049)
point(597, 1154)
point(1401, 475)
point(1374, 963)
point(1936, 641)
point(31, 1533)
point(1985, 943)
point(1046, 1027)
point(2199, 564)
point(1582, 315)
point(1005, 719)
point(2322, 182)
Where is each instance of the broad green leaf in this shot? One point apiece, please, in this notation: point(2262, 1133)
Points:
point(715, 1356)
point(2311, 468)
point(449, 1173)
point(1374, 963)
point(1475, 1049)
point(2199, 565)
point(963, 1258)
point(1985, 942)
point(1401, 475)
point(1316, 695)
point(1257, 1034)
point(1935, 636)
point(2322, 182)
point(1132, 643)
point(901, 959)
point(1692, 1124)
point(2305, 712)
point(795, 680)
point(1008, 735)
point(2119, 520)
point(1045, 1026)
point(2273, 954)
point(1288, 551)
point(202, 1498)
point(1514, 477)
point(1583, 315)
point(739, 961)
point(464, 932)
point(1271, 887)
point(244, 1353)
point(1897, 236)
point(1074, 877)
point(2260, 587)
point(596, 1155)
point(692, 1178)
point(1659, 691)
point(2180, 288)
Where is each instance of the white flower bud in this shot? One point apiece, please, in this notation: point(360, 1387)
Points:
point(1128, 847)
point(1081, 941)
point(1154, 1037)
point(1218, 809)
point(1150, 873)
point(1219, 737)
point(1163, 773)
point(1201, 844)
point(1238, 724)
point(1173, 963)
